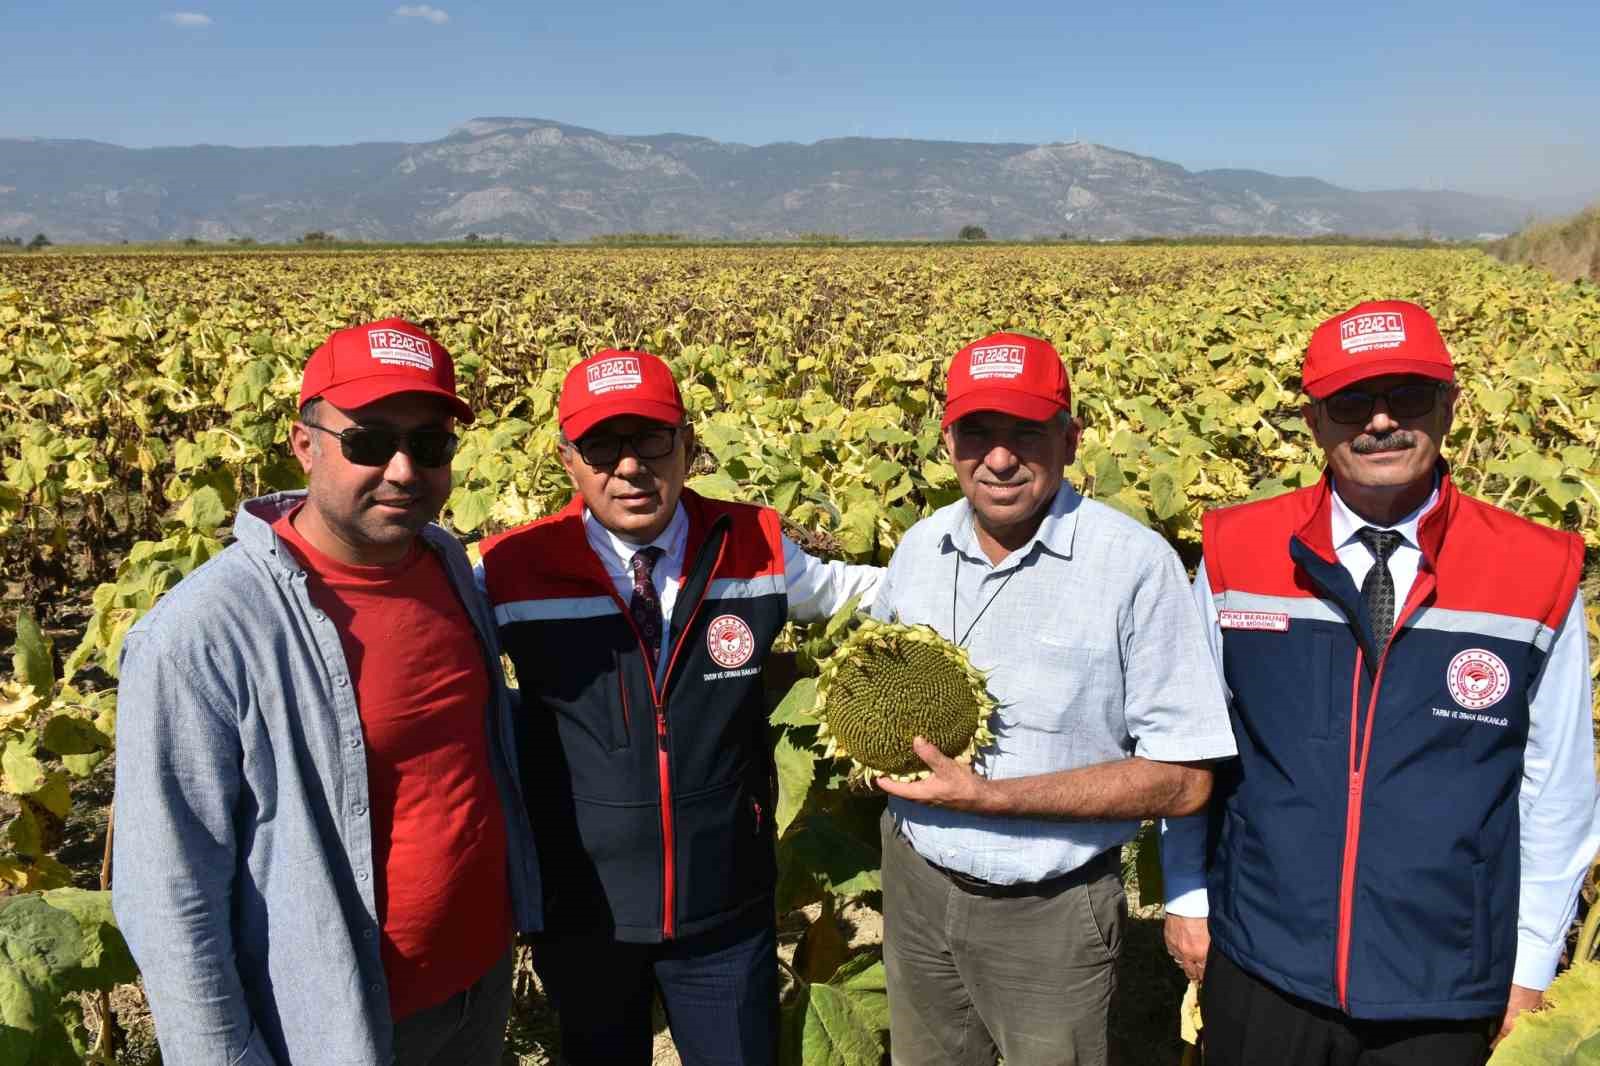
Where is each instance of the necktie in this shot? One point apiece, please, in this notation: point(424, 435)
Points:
point(645, 604)
point(1377, 590)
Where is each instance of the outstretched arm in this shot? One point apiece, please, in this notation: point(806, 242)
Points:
point(1119, 790)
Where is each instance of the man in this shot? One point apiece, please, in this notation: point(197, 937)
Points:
point(639, 619)
point(1003, 903)
point(1391, 865)
point(322, 851)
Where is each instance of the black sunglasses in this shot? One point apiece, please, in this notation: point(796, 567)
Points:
point(1353, 407)
point(603, 449)
point(376, 445)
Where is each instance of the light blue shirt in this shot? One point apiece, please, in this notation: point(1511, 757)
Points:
point(1557, 795)
point(1095, 652)
point(245, 871)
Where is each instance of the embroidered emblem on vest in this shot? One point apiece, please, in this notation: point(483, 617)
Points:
point(1477, 679)
point(1268, 620)
point(730, 642)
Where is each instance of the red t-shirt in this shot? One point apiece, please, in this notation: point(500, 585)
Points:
point(438, 830)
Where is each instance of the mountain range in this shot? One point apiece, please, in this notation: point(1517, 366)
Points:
point(533, 179)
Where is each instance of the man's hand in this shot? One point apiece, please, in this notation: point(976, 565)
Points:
point(952, 784)
point(1521, 999)
point(1188, 942)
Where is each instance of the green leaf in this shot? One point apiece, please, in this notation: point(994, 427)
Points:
point(203, 510)
point(24, 835)
point(821, 855)
point(797, 768)
point(824, 1026)
point(1166, 498)
point(106, 959)
point(31, 658)
point(793, 708)
point(863, 976)
point(55, 795)
point(883, 471)
point(55, 944)
point(469, 508)
point(716, 485)
point(24, 773)
point(1567, 1032)
point(1496, 401)
point(66, 734)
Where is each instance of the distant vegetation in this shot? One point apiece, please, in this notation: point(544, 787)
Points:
point(13, 244)
point(321, 241)
point(1569, 248)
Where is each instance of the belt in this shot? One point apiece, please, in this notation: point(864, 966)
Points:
point(1103, 863)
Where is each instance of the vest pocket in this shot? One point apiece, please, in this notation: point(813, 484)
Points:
point(1320, 703)
point(619, 720)
point(1480, 920)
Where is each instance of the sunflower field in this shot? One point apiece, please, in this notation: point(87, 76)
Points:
point(145, 395)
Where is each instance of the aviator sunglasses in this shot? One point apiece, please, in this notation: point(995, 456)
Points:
point(1353, 407)
point(376, 445)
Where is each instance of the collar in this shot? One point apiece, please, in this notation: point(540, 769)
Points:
point(1345, 523)
point(1054, 535)
point(670, 540)
point(252, 528)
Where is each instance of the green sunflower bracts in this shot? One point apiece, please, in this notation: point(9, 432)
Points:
point(887, 683)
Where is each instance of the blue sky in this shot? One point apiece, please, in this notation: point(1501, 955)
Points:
point(1477, 96)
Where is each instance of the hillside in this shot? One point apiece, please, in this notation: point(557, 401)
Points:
point(534, 179)
point(1569, 248)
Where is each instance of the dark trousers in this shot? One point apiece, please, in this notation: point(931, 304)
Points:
point(468, 1029)
point(1250, 1023)
point(976, 974)
point(720, 991)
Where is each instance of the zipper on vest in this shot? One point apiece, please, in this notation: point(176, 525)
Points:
point(668, 844)
point(669, 872)
point(1357, 784)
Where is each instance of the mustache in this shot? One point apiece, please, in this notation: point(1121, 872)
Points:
point(1393, 441)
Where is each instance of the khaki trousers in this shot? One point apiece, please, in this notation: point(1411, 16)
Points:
point(973, 976)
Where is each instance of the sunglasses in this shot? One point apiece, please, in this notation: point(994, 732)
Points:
point(376, 445)
point(1354, 407)
point(603, 449)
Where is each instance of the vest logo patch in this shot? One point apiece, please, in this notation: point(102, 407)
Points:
point(996, 361)
point(1270, 621)
point(730, 642)
point(609, 375)
point(1477, 679)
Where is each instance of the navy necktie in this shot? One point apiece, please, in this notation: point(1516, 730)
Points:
point(645, 604)
point(1377, 590)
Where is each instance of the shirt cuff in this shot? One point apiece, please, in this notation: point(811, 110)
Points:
point(1536, 962)
point(1186, 899)
point(1186, 749)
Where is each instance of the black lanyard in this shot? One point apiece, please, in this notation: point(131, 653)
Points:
point(954, 580)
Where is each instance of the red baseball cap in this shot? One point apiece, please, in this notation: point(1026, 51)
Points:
point(363, 364)
point(1010, 373)
point(1373, 339)
point(611, 383)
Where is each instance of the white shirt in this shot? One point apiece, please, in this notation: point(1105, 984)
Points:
point(1557, 798)
point(816, 587)
point(1357, 558)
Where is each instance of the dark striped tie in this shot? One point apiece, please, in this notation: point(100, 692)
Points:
point(1377, 590)
point(645, 605)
